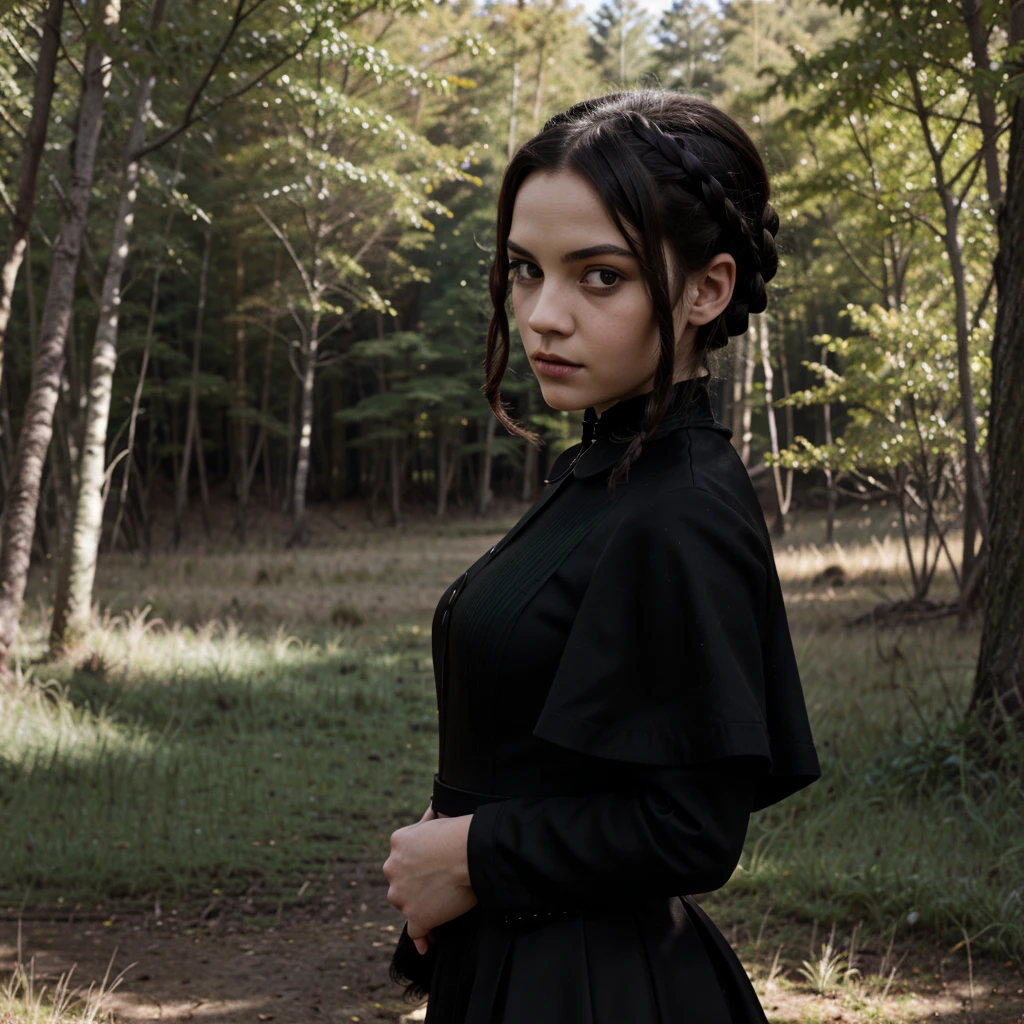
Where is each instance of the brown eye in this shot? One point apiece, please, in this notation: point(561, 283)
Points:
point(605, 279)
point(515, 267)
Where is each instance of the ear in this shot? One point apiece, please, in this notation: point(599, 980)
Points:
point(712, 288)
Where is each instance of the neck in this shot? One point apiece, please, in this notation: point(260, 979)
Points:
point(600, 409)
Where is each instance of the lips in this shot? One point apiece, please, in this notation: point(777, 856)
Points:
point(555, 359)
point(555, 368)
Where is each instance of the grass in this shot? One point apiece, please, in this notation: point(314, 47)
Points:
point(198, 745)
point(25, 999)
point(175, 760)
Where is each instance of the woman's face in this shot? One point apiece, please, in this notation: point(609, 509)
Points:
point(578, 294)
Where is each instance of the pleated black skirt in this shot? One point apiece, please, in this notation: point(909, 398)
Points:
point(660, 963)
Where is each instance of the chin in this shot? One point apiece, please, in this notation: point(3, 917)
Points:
point(561, 399)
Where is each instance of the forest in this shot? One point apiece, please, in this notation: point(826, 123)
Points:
point(244, 294)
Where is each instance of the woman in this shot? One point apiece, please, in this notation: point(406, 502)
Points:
point(617, 687)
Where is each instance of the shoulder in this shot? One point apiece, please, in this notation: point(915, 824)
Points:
point(694, 482)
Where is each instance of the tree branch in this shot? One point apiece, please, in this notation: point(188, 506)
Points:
point(283, 239)
point(861, 269)
point(984, 299)
point(191, 115)
point(925, 221)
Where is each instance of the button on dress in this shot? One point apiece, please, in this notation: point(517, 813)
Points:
point(617, 693)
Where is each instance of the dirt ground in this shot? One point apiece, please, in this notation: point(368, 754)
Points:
point(228, 960)
point(245, 959)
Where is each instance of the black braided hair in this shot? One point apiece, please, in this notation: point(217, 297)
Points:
point(649, 154)
point(756, 254)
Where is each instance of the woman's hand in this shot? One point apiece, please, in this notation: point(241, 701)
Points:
point(428, 873)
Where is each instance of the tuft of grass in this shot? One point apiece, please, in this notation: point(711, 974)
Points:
point(831, 969)
point(26, 999)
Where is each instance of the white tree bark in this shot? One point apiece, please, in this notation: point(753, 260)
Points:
point(485, 494)
point(192, 424)
point(48, 359)
point(243, 478)
point(783, 492)
point(299, 531)
point(742, 386)
point(140, 384)
point(73, 601)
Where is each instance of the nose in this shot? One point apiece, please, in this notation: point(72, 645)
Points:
point(550, 313)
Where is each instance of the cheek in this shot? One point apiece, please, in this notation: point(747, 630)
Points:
point(623, 324)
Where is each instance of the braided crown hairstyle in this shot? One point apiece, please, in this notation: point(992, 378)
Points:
point(673, 172)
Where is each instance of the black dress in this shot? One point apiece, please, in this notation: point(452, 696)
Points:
point(617, 692)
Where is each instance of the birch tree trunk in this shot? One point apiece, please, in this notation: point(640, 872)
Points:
point(747, 411)
point(48, 358)
point(779, 525)
point(243, 478)
point(262, 441)
point(339, 450)
point(396, 461)
point(736, 404)
point(830, 482)
point(154, 297)
point(999, 682)
point(73, 601)
point(742, 386)
point(300, 533)
point(192, 423)
point(262, 449)
point(484, 493)
point(440, 470)
point(31, 154)
point(289, 462)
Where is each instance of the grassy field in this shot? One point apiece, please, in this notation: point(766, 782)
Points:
point(238, 720)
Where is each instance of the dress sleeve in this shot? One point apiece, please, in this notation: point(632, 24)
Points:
point(680, 652)
point(663, 832)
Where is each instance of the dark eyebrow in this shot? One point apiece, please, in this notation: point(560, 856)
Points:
point(608, 249)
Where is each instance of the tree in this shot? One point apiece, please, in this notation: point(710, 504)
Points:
point(912, 62)
point(690, 48)
point(73, 602)
point(48, 359)
point(999, 681)
point(902, 440)
point(620, 41)
point(367, 180)
point(32, 152)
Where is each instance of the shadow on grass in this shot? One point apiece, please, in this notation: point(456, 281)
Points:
point(183, 764)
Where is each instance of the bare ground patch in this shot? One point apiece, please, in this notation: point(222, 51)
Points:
point(325, 958)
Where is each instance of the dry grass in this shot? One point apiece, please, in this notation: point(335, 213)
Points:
point(251, 712)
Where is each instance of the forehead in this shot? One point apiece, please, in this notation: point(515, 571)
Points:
point(561, 210)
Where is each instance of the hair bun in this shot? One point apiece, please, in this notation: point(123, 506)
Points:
point(750, 295)
point(769, 252)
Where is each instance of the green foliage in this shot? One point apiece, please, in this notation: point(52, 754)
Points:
point(348, 159)
point(620, 42)
point(899, 386)
point(691, 48)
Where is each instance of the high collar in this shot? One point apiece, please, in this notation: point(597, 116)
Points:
point(605, 438)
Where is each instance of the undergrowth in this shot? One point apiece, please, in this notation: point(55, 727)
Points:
point(173, 756)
